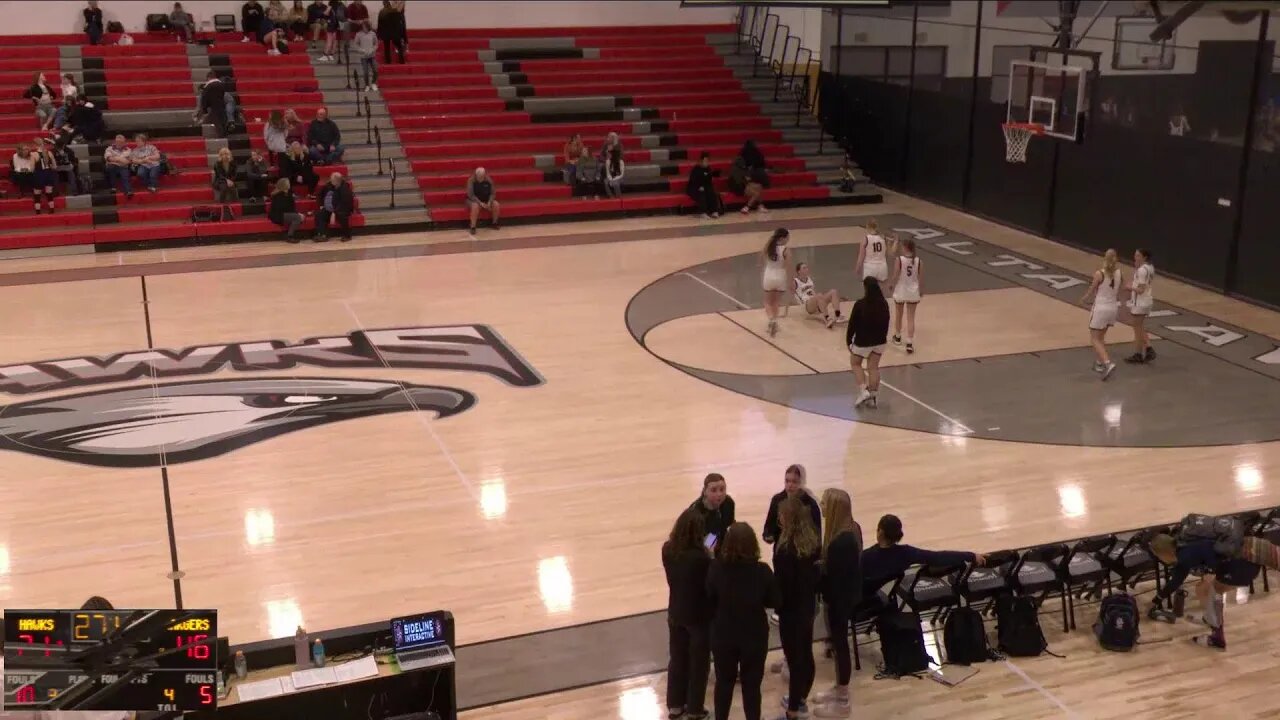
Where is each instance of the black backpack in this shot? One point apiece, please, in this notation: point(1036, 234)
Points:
point(211, 213)
point(965, 637)
point(1226, 531)
point(902, 644)
point(1018, 627)
point(1117, 625)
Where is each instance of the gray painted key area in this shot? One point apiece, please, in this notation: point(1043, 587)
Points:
point(1213, 383)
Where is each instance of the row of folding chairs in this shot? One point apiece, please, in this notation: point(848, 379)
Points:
point(1071, 572)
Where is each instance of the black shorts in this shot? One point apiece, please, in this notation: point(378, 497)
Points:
point(1237, 572)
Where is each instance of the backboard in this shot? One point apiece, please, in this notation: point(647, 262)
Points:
point(1134, 49)
point(1053, 89)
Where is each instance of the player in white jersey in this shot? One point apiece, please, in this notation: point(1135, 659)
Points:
point(774, 260)
point(1139, 306)
point(1104, 292)
point(826, 304)
point(906, 292)
point(873, 256)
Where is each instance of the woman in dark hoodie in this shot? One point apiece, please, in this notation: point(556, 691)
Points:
point(793, 486)
point(740, 588)
point(686, 559)
point(716, 506)
point(795, 561)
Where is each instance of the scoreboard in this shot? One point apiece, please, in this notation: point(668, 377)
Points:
point(149, 659)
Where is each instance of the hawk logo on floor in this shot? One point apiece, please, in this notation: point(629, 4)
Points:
point(166, 423)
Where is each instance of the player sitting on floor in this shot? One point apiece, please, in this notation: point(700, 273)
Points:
point(826, 304)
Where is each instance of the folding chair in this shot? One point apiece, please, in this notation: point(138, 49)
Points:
point(1084, 572)
point(864, 616)
point(931, 590)
point(1268, 528)
point(982, 584)
point(224, 23)
point(1034, 575)
point(1130, 558)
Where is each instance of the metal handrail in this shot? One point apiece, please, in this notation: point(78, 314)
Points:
point(377, 138)
point(368, 121)
point(394, 175)
point(778, 66)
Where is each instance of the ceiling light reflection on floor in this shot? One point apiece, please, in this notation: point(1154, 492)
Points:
point(640, 704)
point(555, 584)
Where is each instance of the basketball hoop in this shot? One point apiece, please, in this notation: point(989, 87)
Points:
point(1017, 136)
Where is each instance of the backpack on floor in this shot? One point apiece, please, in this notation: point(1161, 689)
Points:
point(211, 213)
point(1227, 532)
point(902, 644)
point(1018, 630)
point(964, 637)
point(1117, 624)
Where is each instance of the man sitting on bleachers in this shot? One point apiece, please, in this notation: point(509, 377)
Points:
point(119, 157)
point(324, 139)
point(334, 201)
point(146, 157)
point(482, 195)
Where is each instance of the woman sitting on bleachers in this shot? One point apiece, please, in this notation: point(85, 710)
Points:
point(283, 210)
point(224, 178)
point(21, 169)
point(276, 135)
point(42, 97)
point(296, 130)
point(296, 166)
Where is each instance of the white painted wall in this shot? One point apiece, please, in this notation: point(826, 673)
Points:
point(953, 28)
point(34, 17)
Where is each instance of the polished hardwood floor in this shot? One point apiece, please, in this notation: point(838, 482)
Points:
point(545, 506)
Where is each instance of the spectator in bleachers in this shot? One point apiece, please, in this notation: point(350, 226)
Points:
point(212, 105)
point(45, 175)
point(276, 134)
point(740, 588)
point(68, 164)
point(70, 89)
point(251, 15)
point(315, 18)
point(258, 172)
point(118, 159)
point(482, 195)
point(85, 120)
point(611, 141)
point(685, 561)
point(614, 169)
point(748, 177)
point(702, 189)
point(572, 151)
point(224, 178)
point(587, 174)
point(324, 138)
point(42, 97)
point(93, 26)
point(182, 23)
point(277, 13)
point(283, 210)
point(298, 21)
point(392, 30)
point(146, 158)
point(272, 37)
point(296, 165)
point(335, 19)
point(297, 130)
point(366, 44)
point(335, 201)
point(21, 169)
point(357, 16)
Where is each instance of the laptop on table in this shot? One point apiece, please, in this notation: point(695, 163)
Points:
point(419, 641)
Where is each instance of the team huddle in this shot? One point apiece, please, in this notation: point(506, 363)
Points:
point(869, 320)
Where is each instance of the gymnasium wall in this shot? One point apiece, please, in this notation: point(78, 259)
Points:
point(921, 120)
point(23, 17)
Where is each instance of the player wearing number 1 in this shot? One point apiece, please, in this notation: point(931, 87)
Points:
point(1105, 293)
point(906, 292)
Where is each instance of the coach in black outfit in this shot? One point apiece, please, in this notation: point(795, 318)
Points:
point(841, 585)
point(715, 505)
point(740, 588)
point(686, 560)
point(795, 560)
point(793, 483)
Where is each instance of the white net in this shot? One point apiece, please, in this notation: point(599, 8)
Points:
point(1017, 138)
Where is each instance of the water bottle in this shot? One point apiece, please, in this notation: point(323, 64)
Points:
point(242, 665)
point(317, 653)
point(300, 650)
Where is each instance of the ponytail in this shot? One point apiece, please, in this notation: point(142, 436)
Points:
point(1109, 262)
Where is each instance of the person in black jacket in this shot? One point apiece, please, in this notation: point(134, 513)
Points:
point(740, 588)
point(251, 18)
point(866, 337)
point(213, 103)
point(85, 120)
point(392, 30)
point(296, 165)
point(793, 481)
point(324, 139)
point(716, 506)
point(888, 559)
point(686, 559)
point(701, 188)
point(258, 172)
point(841, 585)
point(795, 562)
point(93, 22)
point(335, 200)
point(283, 210)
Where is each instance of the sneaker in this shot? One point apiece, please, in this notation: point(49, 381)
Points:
point(495, 226)
point(874, 401)
point(833, 709)
point(471, 231)
point(746, 210)
point(863, 397)
point(803, 712)
point(292, 240)
point(374, 87)
point(345, 238)
point(762, 208)
point(715, 215)
point(1098, 367)
point(1210, 642)
point(675, 713)
point(829, 320)
point(911, 348)
point(706, 216)
point(321, 238)
point(1108, 369)
point(897, 339)
point(244, 39)
point(832, 693)
point(1136, 358)
point(773, 619)
point(272, 52)
point(773, 328)
point(1151, 353)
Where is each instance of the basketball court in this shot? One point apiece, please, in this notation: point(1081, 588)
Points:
point(506, 427)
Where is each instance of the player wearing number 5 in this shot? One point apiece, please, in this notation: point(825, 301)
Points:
point(873, 255)
point(906, 292)
point(1105, 293)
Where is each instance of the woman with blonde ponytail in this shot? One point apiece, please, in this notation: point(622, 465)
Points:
point(1104, 292)
point(841, 586)
point(795, 565)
